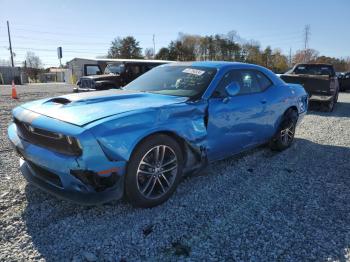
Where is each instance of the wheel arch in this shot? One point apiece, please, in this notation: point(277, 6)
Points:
point(294, 108)
point(180, 140)
point(281, 117)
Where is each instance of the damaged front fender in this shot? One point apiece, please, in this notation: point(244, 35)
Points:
point(119, 135)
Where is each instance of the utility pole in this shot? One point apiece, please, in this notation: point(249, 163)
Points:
point(306, 40)
point(9, 35)
point(154, 47)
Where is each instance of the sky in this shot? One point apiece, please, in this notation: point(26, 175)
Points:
point(86, 28)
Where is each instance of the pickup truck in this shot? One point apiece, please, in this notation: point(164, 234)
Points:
point(319, 81)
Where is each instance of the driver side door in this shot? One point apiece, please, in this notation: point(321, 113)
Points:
point(236, 123)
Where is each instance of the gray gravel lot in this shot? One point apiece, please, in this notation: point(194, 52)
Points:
point(256, 206)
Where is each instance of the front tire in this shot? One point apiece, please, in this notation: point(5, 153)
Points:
point(285, 134)
point(154, 171)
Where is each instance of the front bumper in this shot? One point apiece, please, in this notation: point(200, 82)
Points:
point(78, 195)
point(321, 98)
point(87, 179)
point(300, 118)
point(79, 89)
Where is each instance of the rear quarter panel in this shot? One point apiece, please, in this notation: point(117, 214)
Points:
point(281, 98)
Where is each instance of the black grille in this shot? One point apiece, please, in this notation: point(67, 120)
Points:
point(46, 175)
point(87, 83)
point(47, 139)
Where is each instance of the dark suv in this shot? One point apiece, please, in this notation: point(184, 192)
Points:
point(344, 81)
point(116, 74)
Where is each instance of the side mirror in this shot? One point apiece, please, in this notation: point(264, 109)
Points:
point(232, 89)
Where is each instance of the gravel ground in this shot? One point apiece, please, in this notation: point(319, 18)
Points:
point(256, 206)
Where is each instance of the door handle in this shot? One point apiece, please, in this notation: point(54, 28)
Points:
point(263, 101)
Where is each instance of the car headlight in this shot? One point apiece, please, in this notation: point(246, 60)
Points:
point(302, 103)
point(72, 141)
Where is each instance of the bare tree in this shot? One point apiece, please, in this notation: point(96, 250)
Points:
point(149, 54)
point(32, 60)
point(347, 63)
point(32, 65)
point(308, 55)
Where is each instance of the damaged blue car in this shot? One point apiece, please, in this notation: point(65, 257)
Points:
point(139, 141)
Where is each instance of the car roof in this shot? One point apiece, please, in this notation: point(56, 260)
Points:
point(313, 64)
point(216, 64)
point(124, 60)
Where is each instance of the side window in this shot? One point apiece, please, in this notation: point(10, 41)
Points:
point(263, 80)
point(246, 79)
point(146, 68)
point(149, 67)
point(249, 83)
point(135, 70)
point(228, 78)
point(92, 70)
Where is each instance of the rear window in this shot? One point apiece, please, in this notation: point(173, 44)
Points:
point(314, 70)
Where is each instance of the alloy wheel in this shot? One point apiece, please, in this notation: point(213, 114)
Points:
point(287, 134)
point(157, 171)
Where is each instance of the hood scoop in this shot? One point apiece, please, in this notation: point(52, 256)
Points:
point(59, 100)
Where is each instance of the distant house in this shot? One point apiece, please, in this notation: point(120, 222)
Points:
point(55, 74)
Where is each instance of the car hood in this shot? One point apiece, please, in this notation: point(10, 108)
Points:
point(101, 77)
point(83, 108)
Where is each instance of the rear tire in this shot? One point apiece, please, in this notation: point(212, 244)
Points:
point(330, 105)
point(336, 97)
point(285, 134)
point(154, 171)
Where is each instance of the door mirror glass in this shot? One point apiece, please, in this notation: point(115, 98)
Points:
point(232, 89)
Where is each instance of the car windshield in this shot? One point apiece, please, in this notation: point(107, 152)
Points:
point(313, 70)
point(177, 80)
point(114, 69)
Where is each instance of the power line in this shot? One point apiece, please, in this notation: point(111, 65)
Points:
point(54, 50)
point(55, 40)
point(82, 36)
point(269, 34)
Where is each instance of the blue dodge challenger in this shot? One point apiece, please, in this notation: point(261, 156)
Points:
point(139, 141)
